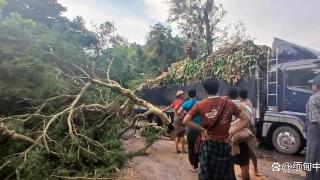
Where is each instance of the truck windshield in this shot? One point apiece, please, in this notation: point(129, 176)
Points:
point(298, 78)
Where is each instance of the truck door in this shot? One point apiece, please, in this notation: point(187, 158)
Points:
point(297, 90)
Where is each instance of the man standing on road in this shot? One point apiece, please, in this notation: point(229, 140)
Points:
point(179, 128)
point(313, 129)
point(192, 134)
point(243, 97)
point(216, 113)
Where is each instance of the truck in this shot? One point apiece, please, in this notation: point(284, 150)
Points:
point(282, 94)
point(279, 94)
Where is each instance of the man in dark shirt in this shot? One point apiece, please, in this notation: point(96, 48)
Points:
point(215, 153)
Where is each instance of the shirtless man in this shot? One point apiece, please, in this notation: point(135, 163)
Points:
point(246, 103)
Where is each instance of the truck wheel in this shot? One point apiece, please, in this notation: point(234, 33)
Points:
point(286, 140)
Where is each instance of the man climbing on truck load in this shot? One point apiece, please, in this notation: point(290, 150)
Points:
point(213, 145)
point(179, 128)
point(313, 129)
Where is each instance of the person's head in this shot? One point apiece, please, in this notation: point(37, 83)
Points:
point(315, 82)
point(243, 94)
point(180, 94)
point(211, 86)
point(233, 93)
point(192, 92)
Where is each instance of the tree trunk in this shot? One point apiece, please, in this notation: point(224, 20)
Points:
point(207, 25)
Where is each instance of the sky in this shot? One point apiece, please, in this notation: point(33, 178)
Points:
point(292, 20)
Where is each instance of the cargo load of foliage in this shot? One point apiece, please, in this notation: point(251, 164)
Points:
point(230, 63)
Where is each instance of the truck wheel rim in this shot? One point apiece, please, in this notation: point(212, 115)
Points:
point(286, 140)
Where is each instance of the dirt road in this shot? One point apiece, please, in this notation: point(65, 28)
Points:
point(163, 164)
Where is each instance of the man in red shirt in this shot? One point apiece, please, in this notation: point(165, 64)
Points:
point(216, 113)
point(178, 101)
point(179, 128)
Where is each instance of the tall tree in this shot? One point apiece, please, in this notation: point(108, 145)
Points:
point(161, 49)
point(199, 18)
point(107, 38)
point(78, 24)
point(157, 40)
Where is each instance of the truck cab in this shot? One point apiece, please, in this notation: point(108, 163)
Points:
point(287, 93)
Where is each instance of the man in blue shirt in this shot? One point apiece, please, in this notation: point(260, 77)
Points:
point(192, 134)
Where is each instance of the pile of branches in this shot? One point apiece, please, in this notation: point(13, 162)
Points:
point(68, 137)
point(229, 63)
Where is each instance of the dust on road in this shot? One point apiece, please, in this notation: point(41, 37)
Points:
point(164, 164)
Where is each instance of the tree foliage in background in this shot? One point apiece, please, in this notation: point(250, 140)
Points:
point(45, 11)
point(72, 41)
point(161, 48)
point(25, 72)
point(198, 18)
point(2, 3)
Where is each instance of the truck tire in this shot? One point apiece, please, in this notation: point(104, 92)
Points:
point(287, 140)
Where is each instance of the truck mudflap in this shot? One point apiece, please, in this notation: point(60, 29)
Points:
point(265, 128)
point(285, 117)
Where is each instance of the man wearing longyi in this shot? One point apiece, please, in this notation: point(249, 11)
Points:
point(213, 146)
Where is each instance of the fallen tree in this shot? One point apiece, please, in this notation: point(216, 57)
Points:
point(69, 136)
point(66, 135)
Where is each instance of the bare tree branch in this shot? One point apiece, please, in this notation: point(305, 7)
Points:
point(48, 125)
point(70, 116)
point(143, 85)
point(105, 120)
point(69, 64)
point(13, 135)
point(128, 93)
